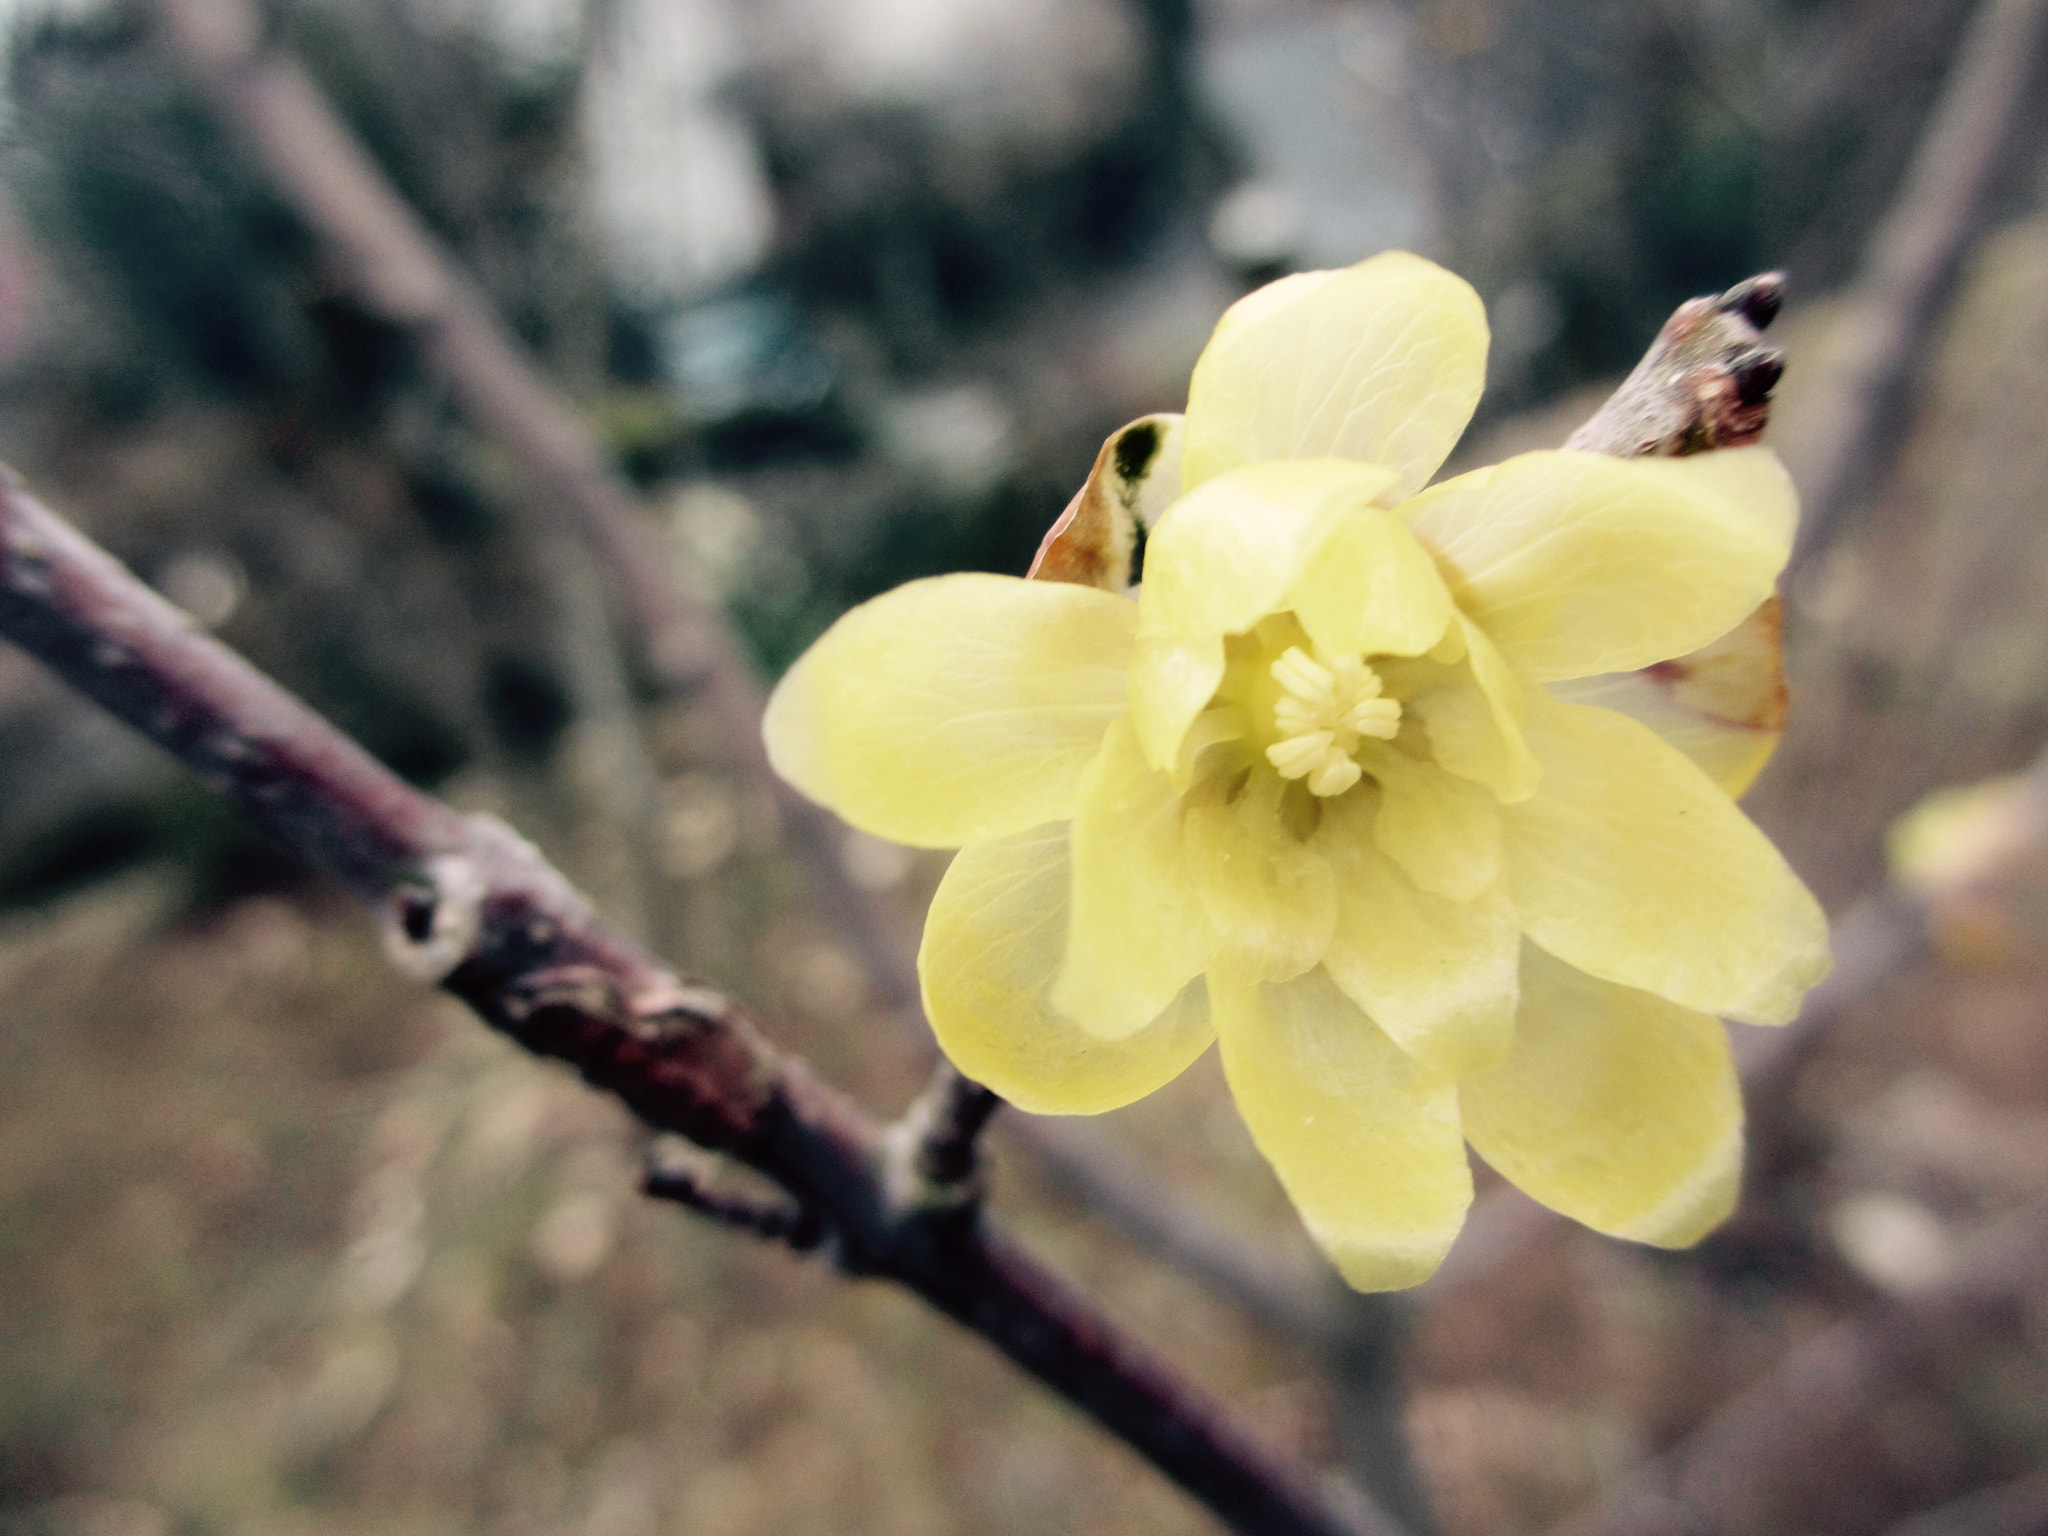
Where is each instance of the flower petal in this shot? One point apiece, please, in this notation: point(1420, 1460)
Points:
point(1371, 589)
point(993, 941)
point(1438, 976)
point(1136, 932)
point(1474, 717)
point(1225, 554)
point(1172, 682)
point(1577, 563)
point(1136, 476)
point(1365, 1140)
point(1382, 361)
point(1443, 831)
point(1270, 898)
point(1221, 559)
point(1723, 706)
point(1617, 1108)
point(954, 709)
point(1631, 865)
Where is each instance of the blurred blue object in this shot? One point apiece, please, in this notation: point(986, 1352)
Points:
point(742, 356)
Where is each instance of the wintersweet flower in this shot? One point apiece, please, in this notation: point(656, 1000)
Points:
point(1418, 800)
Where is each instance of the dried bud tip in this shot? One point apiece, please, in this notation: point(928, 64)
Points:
point(1757, 300)
point(1756, 376)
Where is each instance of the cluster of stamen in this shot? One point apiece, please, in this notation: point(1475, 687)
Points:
point(1322, 712)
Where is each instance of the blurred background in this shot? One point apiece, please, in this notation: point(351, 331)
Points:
point(852, 293)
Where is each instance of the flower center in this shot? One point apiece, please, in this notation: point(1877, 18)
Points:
point(1323, 710)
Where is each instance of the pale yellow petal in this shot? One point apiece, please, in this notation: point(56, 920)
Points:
point(1382, 361)
point(1136, 932)
point(1371, 590)
point(1473, 717)
point(993, 942)
point(1226, 554)
point(1365, 1140)
point(1577, 563)
point(1172, 682)
point(1438, 976)
point(954, 709)
point(1631, 865)
point(1220, 560)
point(1723, 705)
point(1617, 1108)
point(1270, 898)
point(1443, 831)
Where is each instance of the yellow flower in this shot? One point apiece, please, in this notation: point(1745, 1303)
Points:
point(1418, 799)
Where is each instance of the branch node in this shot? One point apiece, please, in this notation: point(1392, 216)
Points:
point(430, 922)
point(931, 1159)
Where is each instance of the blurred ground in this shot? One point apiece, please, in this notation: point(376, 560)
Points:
point(289, 1245)
point(292, 1246)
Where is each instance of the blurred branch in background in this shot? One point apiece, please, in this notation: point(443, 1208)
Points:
point(464, 901)
point(401, 274)
point(2016, 1508)
point(1910, 263)
point(396, 268)
point(1809, 1437)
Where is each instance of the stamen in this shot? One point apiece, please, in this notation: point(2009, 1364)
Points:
point(1322, 712)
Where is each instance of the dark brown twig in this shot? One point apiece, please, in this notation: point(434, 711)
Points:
point(780, 1221)
point(940, 1132)
point(465, 902)
point(395, 268)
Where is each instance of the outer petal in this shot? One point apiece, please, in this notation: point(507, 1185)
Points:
point(1474, 719)
point(1383, 361)
point(1577, 563)
point(1617, 1108)
point(1723, 706)
point(1365, 1141)
point(1270, 899)
point(1443, 831)
point(1136, 477)
point(1221, 559)
point(1631, 865)
point(1136, 932)
point(1372, 590)
point(954, 709)
point(1438, 976)
point(992, 945)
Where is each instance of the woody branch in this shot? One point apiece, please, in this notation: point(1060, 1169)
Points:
point(465, 901)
